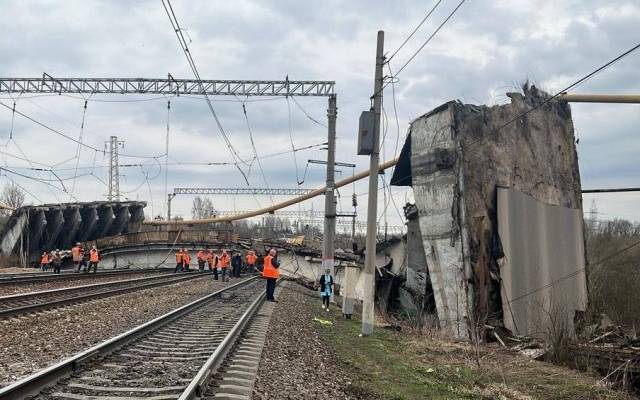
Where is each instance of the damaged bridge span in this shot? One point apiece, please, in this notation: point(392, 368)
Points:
point(31, 229)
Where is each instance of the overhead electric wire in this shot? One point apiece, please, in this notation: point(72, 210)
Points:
point(557, 94)
point(293, 147)
point(185, 49)
point(306, 113)
point(415, 30)
point(430, 37)
point(78, 149)
point(255, 151)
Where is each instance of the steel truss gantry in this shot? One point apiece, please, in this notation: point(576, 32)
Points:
point(166, 86)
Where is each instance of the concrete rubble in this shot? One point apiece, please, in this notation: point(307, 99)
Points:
point(455, 159)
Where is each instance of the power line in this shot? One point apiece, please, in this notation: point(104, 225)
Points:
point(429, 38)
point(415, 30)
point(185, 49)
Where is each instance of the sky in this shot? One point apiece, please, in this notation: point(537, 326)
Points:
point(488, 48)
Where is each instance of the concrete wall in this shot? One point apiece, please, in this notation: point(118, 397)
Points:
point(455, 158)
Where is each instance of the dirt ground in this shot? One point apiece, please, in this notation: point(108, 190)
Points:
point(314, 354)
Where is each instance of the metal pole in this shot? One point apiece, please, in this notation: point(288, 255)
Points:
point(170, 197)
point(368, 315)
point(600, 98)
point(328, 238)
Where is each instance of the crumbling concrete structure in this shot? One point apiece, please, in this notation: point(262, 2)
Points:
point(31, 229)
point(455, 158)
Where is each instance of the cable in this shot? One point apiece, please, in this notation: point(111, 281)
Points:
point(166, 158)
point(565, 90)
point(64, 135)
point(255, 151)
point(84, 113)
point(429, 38)
point(306, 113)
point(185, 49)
point(293, 147)
point(415, 30)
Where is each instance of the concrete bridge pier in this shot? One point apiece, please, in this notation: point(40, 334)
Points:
point(55, 222)
point(89, 216)
point(105, 220)
point(72, 221)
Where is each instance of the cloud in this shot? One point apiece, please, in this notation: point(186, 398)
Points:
point(487, 49)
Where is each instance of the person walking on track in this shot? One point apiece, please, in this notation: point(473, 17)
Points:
point(223, 264)
point(213, 260)
point(251, 261)
point(201, 260)
point(186, 260)
point(326, 288)
point(56, 261)
point(271, 273)
point(44, 261)
point(179, 256)
point(236, 263)
point(76, 254)
point(94, 259)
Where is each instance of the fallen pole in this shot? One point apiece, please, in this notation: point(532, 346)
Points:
point(275, 207)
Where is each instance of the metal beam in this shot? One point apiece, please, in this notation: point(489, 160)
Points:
point(290, 213)
point(167, 86)
point(244, 191)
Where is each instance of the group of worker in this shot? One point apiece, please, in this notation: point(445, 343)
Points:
point(219, 264)
point(81, 259)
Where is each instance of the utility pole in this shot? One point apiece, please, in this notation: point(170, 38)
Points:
point(328, 238)
point(368, 304)
point(114, 169)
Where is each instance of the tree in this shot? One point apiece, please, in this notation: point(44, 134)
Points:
point(202, 208)
point(12, 196)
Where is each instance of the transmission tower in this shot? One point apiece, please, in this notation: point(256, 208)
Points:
point(114, 170)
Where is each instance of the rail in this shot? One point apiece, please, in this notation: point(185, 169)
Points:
point(34, 383)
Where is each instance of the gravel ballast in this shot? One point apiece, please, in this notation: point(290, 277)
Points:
point(296, 363)
point(32, 342)
point(82, 279)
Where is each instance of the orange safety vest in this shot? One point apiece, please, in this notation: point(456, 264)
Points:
point(210, 258)
point(44, 259)
point(179, 256)
point(76, 252)
point(224, 260)
point(251, 258)
point(269, 271)
point(94, 256)
point(187, 258)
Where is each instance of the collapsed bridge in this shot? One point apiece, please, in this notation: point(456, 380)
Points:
point(31, 229)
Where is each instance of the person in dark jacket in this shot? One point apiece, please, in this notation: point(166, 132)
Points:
point(236, 264)
point(326, 288)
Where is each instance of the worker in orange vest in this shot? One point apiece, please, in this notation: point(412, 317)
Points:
point(223, 265)
point(186, 260)
point(212, 260)
point(201, 260)
point(270, 273)
point(94, 258)
point(44, 261)
point(179, 256)
point(251, 261)
point(76, 255)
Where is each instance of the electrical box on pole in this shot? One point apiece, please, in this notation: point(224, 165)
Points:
point(365, 133)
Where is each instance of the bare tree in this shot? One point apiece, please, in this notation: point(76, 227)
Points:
point(12, 196)
point(202, 208)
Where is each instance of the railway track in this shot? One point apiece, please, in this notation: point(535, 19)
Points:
point(173, 356)
point(18, 304)
point(16, 279)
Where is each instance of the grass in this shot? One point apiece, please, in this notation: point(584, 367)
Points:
point(399, 365)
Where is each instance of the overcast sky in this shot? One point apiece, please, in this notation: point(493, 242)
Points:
point(487, 49)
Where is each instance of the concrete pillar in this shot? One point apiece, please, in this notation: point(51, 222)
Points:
point(89, 215)
point(16, 226)
point(121, 220)
point(72, 221)
point(136, 212)
point(105, 221)
point(55, 222)
point(37, 224)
